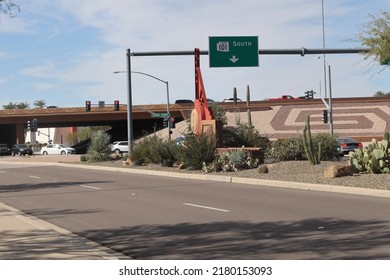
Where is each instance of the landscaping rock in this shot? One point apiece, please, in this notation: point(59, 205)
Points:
point(338, 170)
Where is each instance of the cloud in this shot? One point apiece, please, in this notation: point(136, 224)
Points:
point(71, 47)
point(43, 70)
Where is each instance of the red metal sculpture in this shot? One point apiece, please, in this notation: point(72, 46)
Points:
point(202, 119)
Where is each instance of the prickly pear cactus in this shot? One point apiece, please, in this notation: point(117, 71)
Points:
point(375, 158)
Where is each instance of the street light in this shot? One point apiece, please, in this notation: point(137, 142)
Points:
point(158, 79)
point(329, 105)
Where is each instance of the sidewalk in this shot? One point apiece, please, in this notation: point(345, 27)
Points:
point(24, 237)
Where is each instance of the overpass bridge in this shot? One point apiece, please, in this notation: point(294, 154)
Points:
point(362, 118)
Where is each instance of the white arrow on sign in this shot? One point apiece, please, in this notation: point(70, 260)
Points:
point(234, 59)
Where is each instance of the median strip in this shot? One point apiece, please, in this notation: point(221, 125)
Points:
point(206, 207)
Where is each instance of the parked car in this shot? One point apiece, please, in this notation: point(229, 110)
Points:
point(57, 149)
point(184, 101)
point(231, 99)
point(21, 150)
point(120, 147)
point(348, 145)
point(4, 150)
point(180, 140)
point(286, 97)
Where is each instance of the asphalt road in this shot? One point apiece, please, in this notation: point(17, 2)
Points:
point(152, 217)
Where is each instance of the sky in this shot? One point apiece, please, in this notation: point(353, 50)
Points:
point(65, 51)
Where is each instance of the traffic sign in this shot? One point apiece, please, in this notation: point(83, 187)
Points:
point(159, 115)
point(239, 51)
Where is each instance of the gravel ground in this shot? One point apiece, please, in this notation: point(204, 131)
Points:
point(293, 171)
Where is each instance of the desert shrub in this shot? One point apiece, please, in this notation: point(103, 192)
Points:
point(141, 151)
point(99, 149)
point(286, 149)
point(164, 152)
point(292, 148)
point(198, 150)
point(329, 145)
point(244, 135)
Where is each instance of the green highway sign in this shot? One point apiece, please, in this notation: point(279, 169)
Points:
point(239, 51)
point(159, 115)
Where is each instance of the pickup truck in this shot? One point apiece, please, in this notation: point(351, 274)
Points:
point(285, 97)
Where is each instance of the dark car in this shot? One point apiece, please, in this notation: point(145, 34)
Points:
point(184, 101)
point(4, 150)
point(21, 150)
point(348, 145)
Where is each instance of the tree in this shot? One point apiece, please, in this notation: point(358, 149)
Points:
point(376, 36)
point(381, 93)
point(20, 105)
point(40, 103)
point(8, 7)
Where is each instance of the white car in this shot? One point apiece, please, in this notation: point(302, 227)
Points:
point(120, 147)
point(57, 149)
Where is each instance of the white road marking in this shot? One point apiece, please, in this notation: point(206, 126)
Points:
point(90, 187)
point(35, 177)
point(2, 171)
point(206, 207)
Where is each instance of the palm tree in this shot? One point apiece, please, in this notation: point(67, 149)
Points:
point(40, 103)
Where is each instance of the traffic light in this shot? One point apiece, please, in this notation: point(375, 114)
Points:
point(116, 105)
point(34, 125)
point(309, 94)
point(173, 125)
point(165, 122)
point(87, 106)
point(28, 125)
point(325, 116)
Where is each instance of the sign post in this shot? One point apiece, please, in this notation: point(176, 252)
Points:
point(241, 51)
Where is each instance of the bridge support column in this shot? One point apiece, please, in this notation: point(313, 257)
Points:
point(20, 134)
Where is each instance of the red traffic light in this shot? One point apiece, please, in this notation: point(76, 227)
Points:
point(87, 106)
point(116, 105)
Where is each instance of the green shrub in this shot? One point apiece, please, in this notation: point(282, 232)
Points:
point(141, 151)
point(99, 149)
point(243, 135)
point(83, 158)
point(329, 145)
point(164, 152)
point(198, 150)
point(286, 149)
point(292, 148)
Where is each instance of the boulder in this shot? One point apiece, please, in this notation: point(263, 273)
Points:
point(262, 169)
point(338, 170)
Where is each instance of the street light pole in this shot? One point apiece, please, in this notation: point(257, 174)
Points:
point(130, 94)
point(129, 105)
point(323, 45)
point(330, 102)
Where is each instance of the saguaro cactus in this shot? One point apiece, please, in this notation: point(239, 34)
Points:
point(309, 145)
point(248, 96)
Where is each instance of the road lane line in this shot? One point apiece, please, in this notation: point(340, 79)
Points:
point(90, 187)
point(206, 207)
point(2, 171)
point(35, 177)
